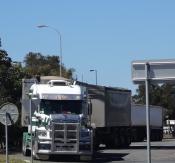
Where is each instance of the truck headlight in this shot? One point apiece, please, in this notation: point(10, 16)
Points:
point(42, 133)
point(44, 146)
point(85, 135)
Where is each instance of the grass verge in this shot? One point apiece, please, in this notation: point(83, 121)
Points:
point(12, 159)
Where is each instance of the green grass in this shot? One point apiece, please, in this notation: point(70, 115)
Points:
point(12, 159)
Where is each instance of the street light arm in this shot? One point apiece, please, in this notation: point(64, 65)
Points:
point(60, 41)
point(42, 26)
point(95, 74)
point(46, 26)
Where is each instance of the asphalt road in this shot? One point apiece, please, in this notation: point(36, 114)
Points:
point(161, 152)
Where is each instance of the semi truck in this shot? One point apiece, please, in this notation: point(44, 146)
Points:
point(138, 122)
point(73, 118)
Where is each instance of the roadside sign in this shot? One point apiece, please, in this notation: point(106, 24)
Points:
point(159, 71)
point(12, 114)
point(8, 116)
point(154, 71)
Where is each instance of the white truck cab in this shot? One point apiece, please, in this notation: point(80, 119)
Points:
point(60, 121)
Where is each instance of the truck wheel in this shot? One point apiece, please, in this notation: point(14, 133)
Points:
point(116, 139)
point(95, 144)
point(153, 136)
point(26, 152)
point(160, 136)
point(110, 142)
point(96, 141)
point(127, 139)
point(122, 138)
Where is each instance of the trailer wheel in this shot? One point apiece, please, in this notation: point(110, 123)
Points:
point(153, 136)
point(127, 138)
point(122, 138)
point(110, 142)
point(160, 136)
point(116, 139)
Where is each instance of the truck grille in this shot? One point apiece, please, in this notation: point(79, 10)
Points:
point(65, 137)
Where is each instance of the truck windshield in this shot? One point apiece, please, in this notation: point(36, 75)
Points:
point(61, 107)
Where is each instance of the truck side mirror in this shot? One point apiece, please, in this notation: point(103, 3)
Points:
point(89, 108)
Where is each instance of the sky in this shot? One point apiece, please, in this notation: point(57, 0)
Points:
point(105, 35)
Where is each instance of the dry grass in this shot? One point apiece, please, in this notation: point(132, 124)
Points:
point(12, 159)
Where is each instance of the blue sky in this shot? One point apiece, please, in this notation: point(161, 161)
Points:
point(96, 34)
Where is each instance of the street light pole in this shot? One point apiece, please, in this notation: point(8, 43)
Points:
point(60, 43)
point(0, 43)
point(147, 71)
point(95, 75)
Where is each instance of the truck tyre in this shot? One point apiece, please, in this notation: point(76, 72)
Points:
point(127, 138)
point(122, 138)
point(153, 136)
point(157, 136)
point(25, 151)
point(160, 136)
point(96, 141)
point(110, 142)
point(95, 144)
point(116, 139)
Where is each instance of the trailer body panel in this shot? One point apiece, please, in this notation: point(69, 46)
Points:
point(111, 106)
point(138, 115)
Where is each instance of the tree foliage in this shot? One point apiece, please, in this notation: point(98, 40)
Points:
point(10, 79)
point(11, 75)
point(10, 90)
point(38, 64)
